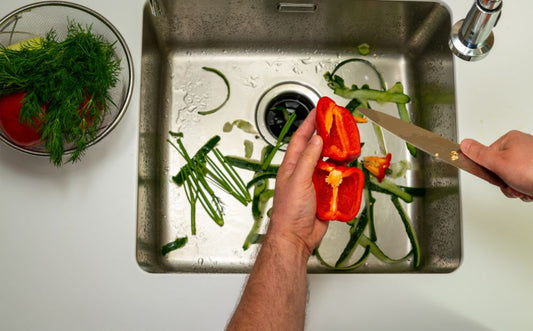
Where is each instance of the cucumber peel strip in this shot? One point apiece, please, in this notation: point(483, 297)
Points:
point(221, 75)
point(354, 103)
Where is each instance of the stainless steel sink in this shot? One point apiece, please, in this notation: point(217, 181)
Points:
point(265, 48)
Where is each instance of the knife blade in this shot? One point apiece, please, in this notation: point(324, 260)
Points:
point(431, 143)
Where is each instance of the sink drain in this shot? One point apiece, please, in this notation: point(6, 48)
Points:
point(278, 103)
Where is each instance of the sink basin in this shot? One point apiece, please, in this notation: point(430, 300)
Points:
point(266, 49)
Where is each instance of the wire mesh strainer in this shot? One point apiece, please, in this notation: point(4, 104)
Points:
point(37, 19)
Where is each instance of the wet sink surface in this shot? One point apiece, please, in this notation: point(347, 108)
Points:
point(266, 49)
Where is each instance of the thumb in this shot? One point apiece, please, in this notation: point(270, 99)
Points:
point(480, 153)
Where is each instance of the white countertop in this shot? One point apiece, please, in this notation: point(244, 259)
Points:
point(67, 236)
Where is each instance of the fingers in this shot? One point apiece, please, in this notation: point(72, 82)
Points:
point(300, 138)
point(307, 162)
point(513, 194)
point(479, 153)
point(527, 198)
point(297, 145)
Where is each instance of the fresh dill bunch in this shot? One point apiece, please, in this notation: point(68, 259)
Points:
point(71, 79)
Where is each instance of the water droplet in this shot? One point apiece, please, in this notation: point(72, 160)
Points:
point(251, 81)
point(187, 98)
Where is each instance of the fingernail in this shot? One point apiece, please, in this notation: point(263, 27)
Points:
point(315, 140)
point(465, 145)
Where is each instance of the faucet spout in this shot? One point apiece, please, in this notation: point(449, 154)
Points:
point(471, 39)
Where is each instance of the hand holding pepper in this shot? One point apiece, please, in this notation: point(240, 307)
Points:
point(275, 295)
point(294, 207)
point(510, 157)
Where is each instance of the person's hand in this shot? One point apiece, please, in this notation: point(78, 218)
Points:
point(294, 207)
point(510, 157)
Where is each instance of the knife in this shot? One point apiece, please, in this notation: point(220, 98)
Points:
point(431, 143)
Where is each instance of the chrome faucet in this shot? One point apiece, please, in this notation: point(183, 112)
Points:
point(471, 39)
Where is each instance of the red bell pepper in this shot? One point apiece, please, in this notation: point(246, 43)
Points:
point(377, 165)
point(339, 132)
point(22, 134)
point(339, 190)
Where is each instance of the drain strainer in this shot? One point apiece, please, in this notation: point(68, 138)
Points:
point(279, 102)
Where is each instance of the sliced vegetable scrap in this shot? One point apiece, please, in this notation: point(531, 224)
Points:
point(359, 119)
point(241, 124)
point(362, 95)
point(377, 165)
point(199, 171)
point(173, 245)
point(363, 49)
point(365, 93)
point(226, 82)
point(248, 148)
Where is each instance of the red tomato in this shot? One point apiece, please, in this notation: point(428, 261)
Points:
point(21, 134)
point(86, 110)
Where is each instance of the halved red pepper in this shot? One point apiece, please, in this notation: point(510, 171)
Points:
point(377, 165)
point(339, 190)
point(338, 129)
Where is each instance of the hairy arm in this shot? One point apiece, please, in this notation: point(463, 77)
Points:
point(275, 295)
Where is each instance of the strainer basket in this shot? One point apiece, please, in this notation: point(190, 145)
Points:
point(37, 19)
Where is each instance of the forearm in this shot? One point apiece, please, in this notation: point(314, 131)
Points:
point(275, 294)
